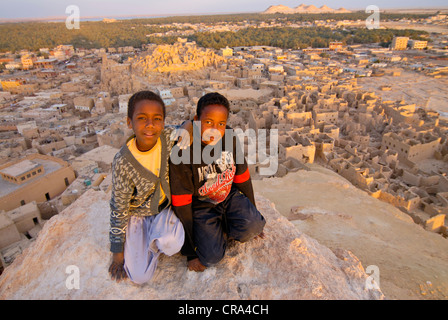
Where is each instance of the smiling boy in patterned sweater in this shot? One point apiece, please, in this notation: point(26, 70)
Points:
point(142, 223)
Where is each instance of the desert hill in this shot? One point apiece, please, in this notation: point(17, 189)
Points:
point(288, 264)
point(303, 9)
point(412, 261)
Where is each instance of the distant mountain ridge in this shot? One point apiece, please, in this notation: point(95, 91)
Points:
point(303, 9)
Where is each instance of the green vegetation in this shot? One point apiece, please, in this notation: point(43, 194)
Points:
point(317, 37)
point(91, 34)
point(133, 32)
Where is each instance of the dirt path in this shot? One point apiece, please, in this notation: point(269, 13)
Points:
point(412, 262)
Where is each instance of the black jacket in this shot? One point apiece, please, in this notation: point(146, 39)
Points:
point(205, 184)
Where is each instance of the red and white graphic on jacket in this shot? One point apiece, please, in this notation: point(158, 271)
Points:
point(218, 178)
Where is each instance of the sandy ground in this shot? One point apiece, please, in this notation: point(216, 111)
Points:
point(413, 87)
point(415, 26)
point(412, 262)
point(242, 94)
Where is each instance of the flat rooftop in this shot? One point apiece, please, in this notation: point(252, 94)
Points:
point(20, 168)
point(7, 187)
point(104, 154)
point(45, 60)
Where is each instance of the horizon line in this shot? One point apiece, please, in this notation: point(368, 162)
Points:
point(167, 15)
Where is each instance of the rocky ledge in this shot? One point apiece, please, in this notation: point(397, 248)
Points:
point(70, 260)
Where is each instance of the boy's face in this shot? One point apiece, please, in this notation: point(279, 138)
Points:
point(147, 123)
point(213, 123)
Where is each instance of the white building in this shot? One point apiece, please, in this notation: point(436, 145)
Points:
point(166, 96)
point(13, 65)
point(418, 44)
point(123, 100)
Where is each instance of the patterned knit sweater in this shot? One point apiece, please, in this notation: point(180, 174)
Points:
point(136, 190)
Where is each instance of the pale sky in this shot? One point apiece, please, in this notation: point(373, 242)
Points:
point(110, 8)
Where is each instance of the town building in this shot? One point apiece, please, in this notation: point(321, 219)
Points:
point(399, 43)
point(35, 178)
point(45, 63)
point(418, 44)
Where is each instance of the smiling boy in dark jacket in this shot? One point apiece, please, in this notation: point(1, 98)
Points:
point(213, 197)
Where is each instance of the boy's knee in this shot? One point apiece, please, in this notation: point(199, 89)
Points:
point(250, 230)
point(138, 279)
point(138, 275)
point(170, 243)
point(211, 260)
point(259, 224)
point(211, 257)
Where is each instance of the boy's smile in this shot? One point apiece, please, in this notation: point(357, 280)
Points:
point(147, 123)
point(213, 123)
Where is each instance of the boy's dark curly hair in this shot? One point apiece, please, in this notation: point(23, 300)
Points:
point(143, 95)
point(209, 99)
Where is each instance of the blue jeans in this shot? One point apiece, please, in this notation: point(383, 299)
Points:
point(236, 218)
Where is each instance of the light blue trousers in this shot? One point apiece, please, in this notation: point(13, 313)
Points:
point(146, 239)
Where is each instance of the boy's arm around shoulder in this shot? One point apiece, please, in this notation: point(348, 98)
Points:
point(182, 189)
point(182, 135)
point(119, 203)
point(242, 178)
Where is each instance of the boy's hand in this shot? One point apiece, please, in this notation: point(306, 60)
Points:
point(116, 268)
point(184, 135)
point(196, 265)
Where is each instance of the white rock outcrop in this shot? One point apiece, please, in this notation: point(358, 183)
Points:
point(286, 265)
